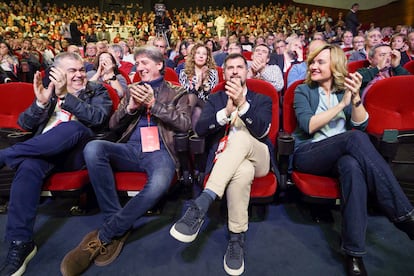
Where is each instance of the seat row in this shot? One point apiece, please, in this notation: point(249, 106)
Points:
point(389, 103)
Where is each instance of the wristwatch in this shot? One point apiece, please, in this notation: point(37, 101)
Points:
point(111, 79)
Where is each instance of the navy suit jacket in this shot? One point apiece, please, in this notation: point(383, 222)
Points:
point(257, 120)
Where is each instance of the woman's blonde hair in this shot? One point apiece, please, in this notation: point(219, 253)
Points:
point(338, 66)
point(190, 62)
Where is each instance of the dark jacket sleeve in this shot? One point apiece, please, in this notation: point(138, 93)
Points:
point(92, 108)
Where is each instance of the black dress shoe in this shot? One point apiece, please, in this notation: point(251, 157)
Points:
point(355, 266)
point(407, 226)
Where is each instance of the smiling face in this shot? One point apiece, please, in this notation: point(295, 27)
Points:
point(320, 67)
point(200, 56)
point(147, 68)
point(75, 73)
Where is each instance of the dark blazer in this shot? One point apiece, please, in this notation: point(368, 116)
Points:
point(92, 108)
point(257, 120)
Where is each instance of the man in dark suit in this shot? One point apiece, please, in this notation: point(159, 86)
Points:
point(235, 122)
point(351, 19)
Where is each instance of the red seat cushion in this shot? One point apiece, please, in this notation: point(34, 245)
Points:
point(316, 186)
point(130, 181)
point(67, 181)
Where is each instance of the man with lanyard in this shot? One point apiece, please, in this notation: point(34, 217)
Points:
point(63, 118)
point(236, 122)
point(147, 119)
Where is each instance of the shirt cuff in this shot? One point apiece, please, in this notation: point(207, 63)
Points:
point(42, 106)
point(360, 123)
point(243, 110)
point(221, 117)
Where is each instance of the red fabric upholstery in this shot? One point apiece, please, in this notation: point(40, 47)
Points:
point(289, 117)
point(170, 75)
point(410, 66)
point(247, 55)
point(15, 97)
point(390, 104)
point(262, 187)
point(220, 73)
point(130, 181)
point(310, 185)
point(114, 97)
point(136, 78)
point(66, 181)
point(126, 76)
point(355, 65)
point(316, 186)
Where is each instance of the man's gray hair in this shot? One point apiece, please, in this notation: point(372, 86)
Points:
point(64, 55)
point(150, 52)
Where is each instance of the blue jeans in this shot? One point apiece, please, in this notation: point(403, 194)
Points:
point(59, 148)
point(361, 170)
point(102, 158)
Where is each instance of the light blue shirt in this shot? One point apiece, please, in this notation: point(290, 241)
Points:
point(337, 125)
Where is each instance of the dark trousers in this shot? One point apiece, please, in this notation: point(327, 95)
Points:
point(59, 148)
point(352, 158)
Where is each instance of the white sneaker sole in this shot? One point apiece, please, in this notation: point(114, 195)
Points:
point(22, 269)
point(233, 272)
point(181, 237)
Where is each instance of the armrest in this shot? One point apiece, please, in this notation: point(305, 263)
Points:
point(285, 148)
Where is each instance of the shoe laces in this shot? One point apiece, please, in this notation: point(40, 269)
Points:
point(95, 248)
point(235, 247)
point(192, 216)
point(15, 254)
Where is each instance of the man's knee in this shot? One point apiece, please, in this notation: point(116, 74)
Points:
point(93, 149)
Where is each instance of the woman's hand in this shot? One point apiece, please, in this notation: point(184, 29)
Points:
point(353, 84)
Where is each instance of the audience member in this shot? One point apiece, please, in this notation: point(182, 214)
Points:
point(327, 106)
point(243, 117)
point(259, 68)
point(105, 70)
point(62, 118)
point(351, 19)
point(151, 105)
point(299, 70)
point(372, 38)
point(384, 63)
point(408, 55)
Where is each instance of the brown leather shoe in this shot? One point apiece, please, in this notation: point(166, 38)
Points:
point(111, 251)
point(79, 258)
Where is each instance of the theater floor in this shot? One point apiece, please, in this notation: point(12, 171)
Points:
point(286, 242)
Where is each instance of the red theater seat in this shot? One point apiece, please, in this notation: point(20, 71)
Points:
point(263, 188)
point(314, 188)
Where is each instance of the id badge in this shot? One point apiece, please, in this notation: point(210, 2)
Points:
point(222, 145)
point(149, 139)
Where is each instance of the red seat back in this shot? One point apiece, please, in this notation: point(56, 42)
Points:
point(410, 66)
point(289, 117)
point(170, 75)
point(355, 65)
point(220, 73)
point(114, 97)
point(390, 104)
point(15, 97)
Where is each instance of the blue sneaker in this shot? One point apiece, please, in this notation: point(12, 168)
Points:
point(19, 255)
point(234, 257)
point(186, 229)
